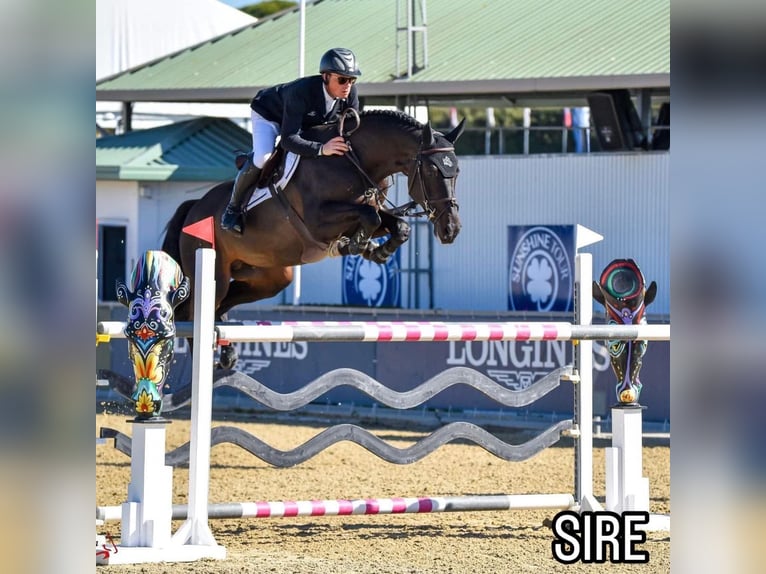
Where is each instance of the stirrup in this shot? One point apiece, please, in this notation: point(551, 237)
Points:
point(233, 220)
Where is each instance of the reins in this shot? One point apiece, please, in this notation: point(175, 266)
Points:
point(375, 190)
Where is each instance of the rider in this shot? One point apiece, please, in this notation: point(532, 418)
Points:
point(285, 110)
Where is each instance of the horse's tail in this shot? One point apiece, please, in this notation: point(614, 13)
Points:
point(171, 243)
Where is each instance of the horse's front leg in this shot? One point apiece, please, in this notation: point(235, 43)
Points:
point(369, 222)
point(353, 224)
point(400, 233)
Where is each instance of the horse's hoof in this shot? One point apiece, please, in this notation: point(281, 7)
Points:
point(228, 357)
point(376, 256)
point(358, 247)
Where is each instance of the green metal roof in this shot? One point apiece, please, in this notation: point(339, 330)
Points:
point(196, 150)
point(477, 47)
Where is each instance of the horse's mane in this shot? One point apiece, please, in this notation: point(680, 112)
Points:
point(396, 115)
point(324, 131)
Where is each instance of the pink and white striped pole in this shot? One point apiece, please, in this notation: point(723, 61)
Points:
point(414, 331)
point(397, 505)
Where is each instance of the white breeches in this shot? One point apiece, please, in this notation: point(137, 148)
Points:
point(265, 135)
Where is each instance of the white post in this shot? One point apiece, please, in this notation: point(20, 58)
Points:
point(195, 530)
point(148, 511)
point(626, 487)
point(630, 490)
point(297, 285)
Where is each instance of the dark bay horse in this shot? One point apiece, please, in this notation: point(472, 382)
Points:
point(331, 206)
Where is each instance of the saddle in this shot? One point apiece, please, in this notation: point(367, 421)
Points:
point(272, 170)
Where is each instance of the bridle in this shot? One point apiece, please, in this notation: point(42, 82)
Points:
point(428, 203)
point(417, 175)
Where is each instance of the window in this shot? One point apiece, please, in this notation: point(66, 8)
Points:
point(111, 260)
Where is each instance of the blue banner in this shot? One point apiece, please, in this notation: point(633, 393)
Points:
point(368, 284)
point(541, 267)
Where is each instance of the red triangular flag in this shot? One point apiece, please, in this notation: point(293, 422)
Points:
point(203, 229)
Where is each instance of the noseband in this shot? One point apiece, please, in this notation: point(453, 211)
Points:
point(428, 203)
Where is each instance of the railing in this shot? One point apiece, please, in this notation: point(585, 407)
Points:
point(519, 140)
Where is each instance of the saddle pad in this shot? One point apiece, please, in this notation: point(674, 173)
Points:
point(261, 194)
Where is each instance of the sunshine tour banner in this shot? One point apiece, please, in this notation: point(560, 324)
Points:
point(368, 284)
point(541, 267)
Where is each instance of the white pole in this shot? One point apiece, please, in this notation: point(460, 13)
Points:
point(527, 124)
point(196, 530)
point(301, 73)
point(584, 350)
point(302, 40)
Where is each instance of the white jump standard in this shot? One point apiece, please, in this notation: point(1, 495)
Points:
point(194, 539)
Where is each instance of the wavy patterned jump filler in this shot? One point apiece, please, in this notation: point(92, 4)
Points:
point(352, 433)
point(368, 385)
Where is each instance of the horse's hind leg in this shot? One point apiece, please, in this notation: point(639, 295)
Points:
point(228, 355)
point(251, 284)
point(255, 283)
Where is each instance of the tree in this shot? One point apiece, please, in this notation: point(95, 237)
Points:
point(267, 8)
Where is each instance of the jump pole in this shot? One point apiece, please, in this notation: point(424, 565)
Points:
point(403, 331)
point(367, 506)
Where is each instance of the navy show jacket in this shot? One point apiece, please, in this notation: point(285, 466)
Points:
point(299, 105)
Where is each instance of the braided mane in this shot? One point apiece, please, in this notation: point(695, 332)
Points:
point(395, 115)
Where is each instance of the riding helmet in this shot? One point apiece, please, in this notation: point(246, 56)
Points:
point(339, 61)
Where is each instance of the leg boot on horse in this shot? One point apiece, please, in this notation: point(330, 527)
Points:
point(233, 218)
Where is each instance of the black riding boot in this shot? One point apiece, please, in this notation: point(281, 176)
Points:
point(233, 218)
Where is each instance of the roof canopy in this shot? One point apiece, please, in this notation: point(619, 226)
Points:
point(195, 150)
point(509, 49)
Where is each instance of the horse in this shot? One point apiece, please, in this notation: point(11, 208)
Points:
point(331, 206)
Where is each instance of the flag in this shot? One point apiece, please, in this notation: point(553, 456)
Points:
point(203, 229)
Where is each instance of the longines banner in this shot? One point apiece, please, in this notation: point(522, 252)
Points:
point(285, 367)
point(368, 284)
point(541, 267)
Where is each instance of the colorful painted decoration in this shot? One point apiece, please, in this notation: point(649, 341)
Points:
point(622, 291)
point(157, 286)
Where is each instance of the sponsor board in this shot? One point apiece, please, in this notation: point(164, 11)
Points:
point(288, 366)
point(370, 284)
point(541, 267)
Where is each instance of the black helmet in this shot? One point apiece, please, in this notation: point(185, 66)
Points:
point(339, 61)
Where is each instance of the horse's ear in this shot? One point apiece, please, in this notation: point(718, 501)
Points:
point(651, 293)
point(597, 293)
point(180, 294)
point(123, 294)
point(428, 135)
point(454, 134)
